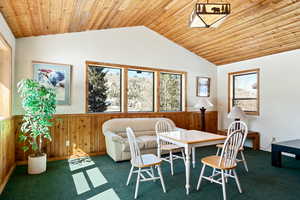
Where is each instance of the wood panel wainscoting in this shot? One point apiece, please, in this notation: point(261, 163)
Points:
point(7, 151)
point(75, 135)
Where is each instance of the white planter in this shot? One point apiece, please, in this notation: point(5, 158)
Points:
point(37, 165)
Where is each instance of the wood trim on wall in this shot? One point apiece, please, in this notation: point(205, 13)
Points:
point(124, 89)
point(7, 151)
point(229, 89)
point(6, 73)
point(84, 131)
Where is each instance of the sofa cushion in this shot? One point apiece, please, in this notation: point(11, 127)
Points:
point(126, 147)
point(137, 133)
point(150, 142)
point(119, 125)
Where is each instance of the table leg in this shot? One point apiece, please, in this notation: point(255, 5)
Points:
point(276, 158)
point(187, 169)
point(194, 157)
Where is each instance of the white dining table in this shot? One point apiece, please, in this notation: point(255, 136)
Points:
point(189, 140)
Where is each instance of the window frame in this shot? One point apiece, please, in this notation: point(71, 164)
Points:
point(87, 86)
point(153, 98)
point(124, 85)
point(231, 89)
point(181, 92)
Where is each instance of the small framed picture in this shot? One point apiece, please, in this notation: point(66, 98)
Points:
point(56, 75)
point(203, 87)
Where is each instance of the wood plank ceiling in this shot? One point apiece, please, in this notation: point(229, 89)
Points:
point(255, 27)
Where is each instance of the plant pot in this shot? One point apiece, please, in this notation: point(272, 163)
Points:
point(37, 165)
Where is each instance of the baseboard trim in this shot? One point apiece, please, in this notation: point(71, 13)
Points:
point(3, 184)
point(24, 162)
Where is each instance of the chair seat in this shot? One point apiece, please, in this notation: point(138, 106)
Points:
point(148, 161)
point(169, 147)
point(213, 161)
point(221, 146)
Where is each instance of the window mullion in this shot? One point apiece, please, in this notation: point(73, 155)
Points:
point(125, 90)
point(157, 91)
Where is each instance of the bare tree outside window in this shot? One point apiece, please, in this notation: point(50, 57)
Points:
point(170, 92)
point(140, 91)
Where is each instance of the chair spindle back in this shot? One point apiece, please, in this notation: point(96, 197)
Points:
point(240, 126)
point(163, 126)
point(231, 148)
point(134, 148)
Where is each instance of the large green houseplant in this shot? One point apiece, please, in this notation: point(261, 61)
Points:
point(39, 103)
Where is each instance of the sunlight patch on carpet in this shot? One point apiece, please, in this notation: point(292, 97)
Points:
point(79, 163)
point(108, 194)
point(81, 183)
point(96, 177)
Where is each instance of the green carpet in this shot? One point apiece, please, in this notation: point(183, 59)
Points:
point(262, 181)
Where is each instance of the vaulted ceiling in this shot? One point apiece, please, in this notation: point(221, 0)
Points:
point(254, 28)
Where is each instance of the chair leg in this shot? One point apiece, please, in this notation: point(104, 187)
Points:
point(183, 156)
point(137, 183)
point(171, 162)
point(200, 177)
point(214, 169)
point(223, 185)
point(161, 178)
point(244, 161)
point(218, 151)
point(152, 171)
point(237, 181)
point(130, 174)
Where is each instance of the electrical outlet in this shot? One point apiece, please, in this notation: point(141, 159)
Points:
point(68, 143)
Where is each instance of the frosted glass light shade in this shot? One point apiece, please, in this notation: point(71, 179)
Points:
point(203, 102)
point(236, 113)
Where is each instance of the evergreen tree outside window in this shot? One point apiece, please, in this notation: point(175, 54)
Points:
point(170, 92)
point(140, 91)
point(104, 89)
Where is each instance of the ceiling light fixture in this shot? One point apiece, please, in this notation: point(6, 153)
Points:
point(207, 15)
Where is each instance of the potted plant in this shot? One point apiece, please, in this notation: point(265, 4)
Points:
point(39, 103)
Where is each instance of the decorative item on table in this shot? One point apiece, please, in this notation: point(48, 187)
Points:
point(39, 104)
point(203, 104)
point(237, 114)
point(56, 75)
point(206, 15)
point(203, 87)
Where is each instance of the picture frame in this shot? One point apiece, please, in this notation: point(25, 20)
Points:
point(57, 75)
point(203, 87)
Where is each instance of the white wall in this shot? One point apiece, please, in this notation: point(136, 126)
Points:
point(10, 39)
point(132, 46)
point(279, 96)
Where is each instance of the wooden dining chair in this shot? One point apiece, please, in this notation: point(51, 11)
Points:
point(161, 127)
point(242, 126)
point(144, 163)
point(225, 163)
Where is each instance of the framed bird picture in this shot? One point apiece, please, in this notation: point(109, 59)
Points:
point(57, 76)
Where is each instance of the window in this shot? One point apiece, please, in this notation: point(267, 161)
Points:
point(140, 91)
point(170, 92)
point(244, 91)
point(124, 88)
point(104, 89)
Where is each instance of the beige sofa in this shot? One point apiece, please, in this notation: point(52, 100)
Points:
point(116, 141)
